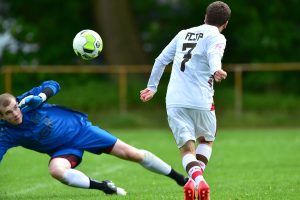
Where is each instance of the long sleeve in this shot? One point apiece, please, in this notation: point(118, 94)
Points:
point(50, 88)
point(5, 143)
point(216, 46)
point(165, 57)
point(3, 150)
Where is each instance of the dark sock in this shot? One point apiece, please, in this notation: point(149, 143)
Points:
point(97, 185)
point(103, 186)
point(179, 178)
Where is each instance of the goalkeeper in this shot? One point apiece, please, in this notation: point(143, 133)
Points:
point(64, 135)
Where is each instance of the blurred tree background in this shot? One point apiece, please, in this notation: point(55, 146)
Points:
point(34, 33)
point(259, 31)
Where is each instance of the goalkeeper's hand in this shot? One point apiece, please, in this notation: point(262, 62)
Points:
point(31, 102)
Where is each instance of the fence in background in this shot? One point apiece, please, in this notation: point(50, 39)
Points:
point(123, 70)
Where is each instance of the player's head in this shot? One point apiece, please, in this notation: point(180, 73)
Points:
point(9, 110)
point(217, 14)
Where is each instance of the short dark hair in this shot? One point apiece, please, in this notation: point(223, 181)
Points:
point(217, 13)
point(5, 100)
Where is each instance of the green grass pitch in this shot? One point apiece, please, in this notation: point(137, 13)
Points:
point(245, 164)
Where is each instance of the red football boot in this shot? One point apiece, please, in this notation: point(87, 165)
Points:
point(189, 190)
point(203, 191)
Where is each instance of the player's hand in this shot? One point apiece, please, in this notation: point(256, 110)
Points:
point(220, 75)
point(30, 102)
point(146, 95)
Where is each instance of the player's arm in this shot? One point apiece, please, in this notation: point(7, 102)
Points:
point(2, 152)
point(165, 57)
point(215, 51)
point(38, 95)
point(4, 146)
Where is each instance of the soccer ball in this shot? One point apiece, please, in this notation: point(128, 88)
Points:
point(87, 44)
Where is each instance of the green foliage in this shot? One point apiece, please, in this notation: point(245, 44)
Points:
point(51, 25)
point(258, 31)
point(253, 36)
point(268, 36)
point(245, 164)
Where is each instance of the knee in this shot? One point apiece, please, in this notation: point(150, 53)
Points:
point(188, 148)
point(57, 168)
point(57, 172)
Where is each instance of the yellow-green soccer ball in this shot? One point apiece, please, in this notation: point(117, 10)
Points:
point(87, 44)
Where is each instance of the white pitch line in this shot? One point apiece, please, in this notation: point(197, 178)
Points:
point(39, 186)
point(108, 170)
point(27, 190)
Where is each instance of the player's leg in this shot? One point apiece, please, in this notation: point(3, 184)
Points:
point(61, 168)
point(182, 123)
point(189, 161)
point(97, 140)
point(147, 159)
point(203, 152)
point(192, 167)
point(205, 133)
point(195, 171)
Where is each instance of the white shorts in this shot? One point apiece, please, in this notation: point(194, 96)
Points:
point(189, 124)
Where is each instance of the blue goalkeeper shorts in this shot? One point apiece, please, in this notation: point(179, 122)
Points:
point(92, 139)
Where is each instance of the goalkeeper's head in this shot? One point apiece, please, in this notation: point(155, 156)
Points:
point(9, 110)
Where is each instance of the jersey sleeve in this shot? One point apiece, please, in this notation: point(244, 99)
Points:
point(165, 57)
point(215, 50)
point(5, 144)
point(50, 86)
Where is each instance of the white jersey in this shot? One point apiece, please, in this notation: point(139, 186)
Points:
point(196, 54)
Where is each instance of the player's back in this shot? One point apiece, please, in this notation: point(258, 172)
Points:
point(191, 82)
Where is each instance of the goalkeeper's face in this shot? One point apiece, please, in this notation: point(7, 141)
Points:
point(11, 113)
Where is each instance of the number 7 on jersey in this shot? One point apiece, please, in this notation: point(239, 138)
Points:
point(188, 55)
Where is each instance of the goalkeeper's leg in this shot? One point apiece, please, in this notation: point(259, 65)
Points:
point(147, 160)
point(60, 169)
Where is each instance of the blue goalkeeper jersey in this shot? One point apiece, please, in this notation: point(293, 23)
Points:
point(54, 130)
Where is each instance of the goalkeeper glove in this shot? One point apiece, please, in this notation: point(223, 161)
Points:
point(32, 102)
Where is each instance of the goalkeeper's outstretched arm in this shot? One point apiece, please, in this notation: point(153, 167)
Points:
point(37, 95)
point(46, 90)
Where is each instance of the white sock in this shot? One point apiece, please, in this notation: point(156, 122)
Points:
point(75, 178)
point(155, 164)
point(204, 150)
point(194, 172)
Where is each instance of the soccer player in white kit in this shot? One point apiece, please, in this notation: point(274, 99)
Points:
point(196, 54)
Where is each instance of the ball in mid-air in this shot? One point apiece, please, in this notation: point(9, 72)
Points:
point(87, 44)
